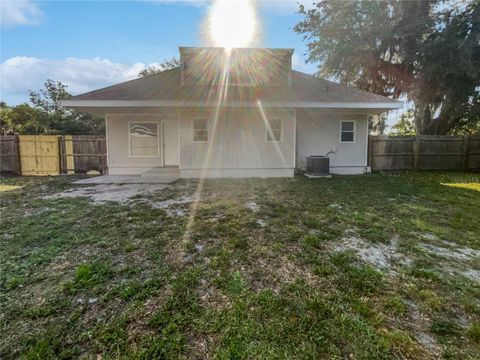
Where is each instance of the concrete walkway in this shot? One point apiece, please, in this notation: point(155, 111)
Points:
point(125, 179)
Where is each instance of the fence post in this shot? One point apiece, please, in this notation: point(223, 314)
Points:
point(416, 147)
point(61, 154)
point(370, 142)
point(69, 157)
point(17, 156)
point(465, 152)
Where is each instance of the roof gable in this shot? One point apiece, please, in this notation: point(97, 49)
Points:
point(242, 66)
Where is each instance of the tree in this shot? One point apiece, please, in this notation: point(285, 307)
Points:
point(425, 50)
point(377, 124)
point(6, 123)
point(405, 126)
point(47, 102)
point(163, 66)
point(55, 119)
point(47, 116)
point(20, 119)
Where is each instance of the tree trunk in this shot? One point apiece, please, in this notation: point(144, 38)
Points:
point(449, 115)
point(423, 119)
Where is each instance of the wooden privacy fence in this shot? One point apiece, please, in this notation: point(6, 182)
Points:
point(9, 154)
point(52, 154)
point(82, 153)
point(424, 152)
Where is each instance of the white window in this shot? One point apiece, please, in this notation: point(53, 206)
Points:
point(200, 130)
point(143, 139)
point(347, 131)
point(274, 130)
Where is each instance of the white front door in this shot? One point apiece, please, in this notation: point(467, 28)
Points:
point(170, 143)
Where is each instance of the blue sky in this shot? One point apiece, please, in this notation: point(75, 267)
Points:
point(91, 44)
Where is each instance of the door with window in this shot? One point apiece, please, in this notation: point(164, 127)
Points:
point(170, 143)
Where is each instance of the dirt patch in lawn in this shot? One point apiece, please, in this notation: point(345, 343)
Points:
point(173, 207)
point(449, 250)
point(451, 257)
point(382, 256)
point(108, 192)
point(253, 206)
point(388, 256)
point(472, 274)
point(420, 324)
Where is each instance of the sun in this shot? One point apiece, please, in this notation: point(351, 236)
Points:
point(232, 23)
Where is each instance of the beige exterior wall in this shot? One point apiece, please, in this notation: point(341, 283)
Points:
point(318, 133)
point(118, 151)
point(237, 145)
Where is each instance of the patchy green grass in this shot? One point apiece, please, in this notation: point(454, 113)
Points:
point(370, 267)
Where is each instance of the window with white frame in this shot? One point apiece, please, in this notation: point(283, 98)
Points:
point(200, 130)
point(347, 131)
point(274, 130)
point(143, 139)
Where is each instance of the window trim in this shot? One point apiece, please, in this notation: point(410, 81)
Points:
point(130, 140)
point(193, 131)
point(354, 132)
point(267, 125)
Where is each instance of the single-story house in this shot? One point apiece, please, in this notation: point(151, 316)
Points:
point(233, 113)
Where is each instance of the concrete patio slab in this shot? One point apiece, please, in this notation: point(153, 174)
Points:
point(125, 179)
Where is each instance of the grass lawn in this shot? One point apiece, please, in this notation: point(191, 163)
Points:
point(367, 267)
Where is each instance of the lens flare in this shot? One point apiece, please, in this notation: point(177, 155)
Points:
point(232, 23)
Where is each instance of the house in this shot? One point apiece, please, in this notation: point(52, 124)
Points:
point(241, 112)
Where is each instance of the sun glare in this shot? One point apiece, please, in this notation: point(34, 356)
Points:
point(232, 23)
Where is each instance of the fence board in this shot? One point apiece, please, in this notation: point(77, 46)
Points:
point(82, 153)
point(9, 154)
point(425, 152)
point(39, 155)
point(473, 160)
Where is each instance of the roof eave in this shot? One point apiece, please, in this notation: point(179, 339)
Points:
point(184, 49)
point(386, 106)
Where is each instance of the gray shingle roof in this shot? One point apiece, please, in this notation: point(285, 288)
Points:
point(166, 86)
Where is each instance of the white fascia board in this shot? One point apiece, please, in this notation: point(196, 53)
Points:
point(282, 104)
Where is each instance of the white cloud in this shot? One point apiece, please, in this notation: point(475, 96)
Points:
point(21, 73)
point(19, 12)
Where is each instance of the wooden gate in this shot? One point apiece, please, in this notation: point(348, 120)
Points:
point(39, 154)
